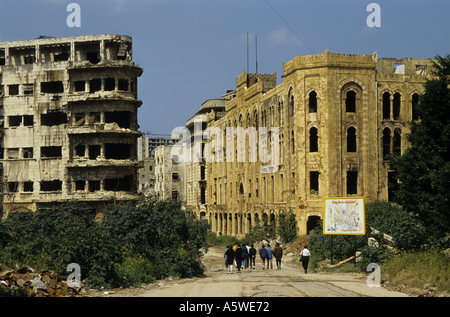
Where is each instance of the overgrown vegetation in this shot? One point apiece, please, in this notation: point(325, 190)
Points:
point(131, 245)
point(284, 226)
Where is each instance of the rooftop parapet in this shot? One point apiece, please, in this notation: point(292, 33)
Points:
point(328, 59)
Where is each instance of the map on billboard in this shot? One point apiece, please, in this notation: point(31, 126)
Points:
point(344, 215)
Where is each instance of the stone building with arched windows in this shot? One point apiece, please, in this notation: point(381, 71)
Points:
point(329, 127)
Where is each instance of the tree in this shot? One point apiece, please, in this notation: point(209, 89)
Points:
point(423, 171)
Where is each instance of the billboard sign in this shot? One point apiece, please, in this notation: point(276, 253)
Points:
point(344, 216)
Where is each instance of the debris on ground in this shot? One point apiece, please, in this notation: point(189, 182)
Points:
point(34, 283)
point(294, 248)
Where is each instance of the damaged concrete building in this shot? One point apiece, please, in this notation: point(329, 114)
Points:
point(69, 113)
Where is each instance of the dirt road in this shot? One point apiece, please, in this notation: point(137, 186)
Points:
point(290, 281)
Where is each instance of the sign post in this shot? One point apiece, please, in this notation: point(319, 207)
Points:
point(344, 216)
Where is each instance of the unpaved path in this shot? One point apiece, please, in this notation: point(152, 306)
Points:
point(290, 281)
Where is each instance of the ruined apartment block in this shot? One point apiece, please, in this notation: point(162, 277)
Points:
point(68, 110)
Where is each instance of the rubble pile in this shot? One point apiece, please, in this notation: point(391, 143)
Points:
point(294, 248)
point(37, 283)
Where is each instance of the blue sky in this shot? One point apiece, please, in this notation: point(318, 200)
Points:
point(193, 50)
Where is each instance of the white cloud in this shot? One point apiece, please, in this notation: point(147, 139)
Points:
point(282, 36)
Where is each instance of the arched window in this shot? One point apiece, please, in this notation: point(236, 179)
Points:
point(396, 106)
point(386, 142)
point(351, 139)
point(415, 102)
point(313, 140)
point(397, 142)
point(203, 195)
point(312, 102)
point(292, 142)
point(350, 101)
point(386, 106)
point(291, 106)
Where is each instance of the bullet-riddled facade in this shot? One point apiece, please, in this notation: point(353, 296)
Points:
point(69, 114)
point(339, 116)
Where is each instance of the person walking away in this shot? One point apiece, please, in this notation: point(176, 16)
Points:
point(278, 253)
point(244, 256)
point(225, 256)
point(269, 257)
point(304, 255)
point(263, 255)
point(230, 258)
point(252, 256)
point(238, 255)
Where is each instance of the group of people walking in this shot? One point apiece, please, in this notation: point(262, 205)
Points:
point(245, 257)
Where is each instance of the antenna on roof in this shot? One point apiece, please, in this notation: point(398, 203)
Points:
point(247, 52)
point(256, 44)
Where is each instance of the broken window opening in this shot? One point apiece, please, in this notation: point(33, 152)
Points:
point(13, 187)
point(314, 182)
point(386, 143)
point(110, 84)
point(351, 139)
point(13, 154)
point(92, 57)
point(386, 106)
point(94, 186)
point(312, 101)
point(51, 151)
point(30, 59)
point(80, 185)
point(28, 152)
point(352, 182)
point(122, 52)
point(79, 85)
point(415, 102)
point(15, 121)
point(28, 120)
point(28, 89)
point(62, 56)
point(28, 187)
point(53, 118)
point(397, 142)
point(52, 87)
point(117, 151)
point(350, 102)
point(94, 151)
point(123, 84)
point(79, 119)
point(80, 150)
point(313, 140)
point(93, 117)
point(119, 184)
point(95, 85)
point(175, 177)
point(13, 90)
point(396, 106)
point(51, 186)
point(122, 118)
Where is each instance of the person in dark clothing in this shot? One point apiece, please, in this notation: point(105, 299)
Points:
point(238, 255)
point(278, 253)
point(230, 259)
point(264, 256)
point(252, 256)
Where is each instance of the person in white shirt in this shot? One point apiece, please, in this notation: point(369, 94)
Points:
point(304, 256)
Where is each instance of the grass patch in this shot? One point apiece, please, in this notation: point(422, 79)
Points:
point(420, 268)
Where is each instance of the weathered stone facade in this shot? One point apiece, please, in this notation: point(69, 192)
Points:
point(69, 113)
point(338, 115)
